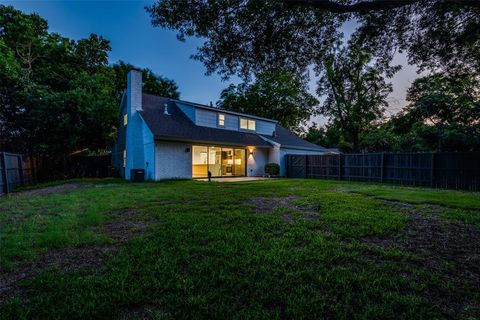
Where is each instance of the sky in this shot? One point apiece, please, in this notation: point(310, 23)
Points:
point(133, 39)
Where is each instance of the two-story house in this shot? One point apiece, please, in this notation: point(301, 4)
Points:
point(172, 139)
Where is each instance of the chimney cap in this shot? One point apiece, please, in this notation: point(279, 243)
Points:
point(135, 69)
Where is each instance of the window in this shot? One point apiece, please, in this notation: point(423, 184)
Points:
point(221, 120)
point(125, 120)
point(124, 158)
point(247, 124)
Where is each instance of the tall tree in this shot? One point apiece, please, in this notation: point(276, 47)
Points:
point(57, 93)
point(249, 36)
point(278, 95)
point(355, 90)
point(152, 83)
point(449, 103)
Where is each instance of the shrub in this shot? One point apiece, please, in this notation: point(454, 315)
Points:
point(272, 169)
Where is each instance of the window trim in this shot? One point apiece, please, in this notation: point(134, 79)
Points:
point(125, 120)
point(249, 122)
point(223, 120)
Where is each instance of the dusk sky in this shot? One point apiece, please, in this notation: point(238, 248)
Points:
point(133, 39)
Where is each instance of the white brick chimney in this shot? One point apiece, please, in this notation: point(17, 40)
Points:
point(134, 90)
point(134, 129)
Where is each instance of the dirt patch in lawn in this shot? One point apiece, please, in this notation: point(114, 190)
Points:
point(451, 250)
point(267, 205)
point(62, 260)
point(62, 188)
point(126, 225)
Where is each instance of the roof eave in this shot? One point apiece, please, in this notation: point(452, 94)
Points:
point(225, 143)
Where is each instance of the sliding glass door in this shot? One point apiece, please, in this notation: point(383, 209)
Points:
point(220, 161)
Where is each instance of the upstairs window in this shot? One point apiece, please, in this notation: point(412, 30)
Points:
point(221, 120)
point(247, 124)
point(125, 120)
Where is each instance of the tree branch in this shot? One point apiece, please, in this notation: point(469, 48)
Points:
point(366, 6)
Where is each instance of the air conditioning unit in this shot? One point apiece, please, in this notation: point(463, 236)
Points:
point(137, 175)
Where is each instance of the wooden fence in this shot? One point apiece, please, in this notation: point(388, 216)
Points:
point(436, 170)
point(14, 171)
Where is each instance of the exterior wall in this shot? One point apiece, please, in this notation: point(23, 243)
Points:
point(188, 110)
point(149, 153)
point(256, 162)
point(208, 118)
point(119, 146)
point(205, 118)
point(285, 151)
point(172, 161)
point(264, 127)
point(274, 155)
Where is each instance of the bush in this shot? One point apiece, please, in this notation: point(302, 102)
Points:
point(272, 169)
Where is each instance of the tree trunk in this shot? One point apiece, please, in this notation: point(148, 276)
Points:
point(355, 142)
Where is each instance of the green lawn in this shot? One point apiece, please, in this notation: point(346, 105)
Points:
point(271, 249)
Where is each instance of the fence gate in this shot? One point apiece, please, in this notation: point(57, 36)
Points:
point(296, 166)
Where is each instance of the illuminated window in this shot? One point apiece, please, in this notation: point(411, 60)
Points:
point(221, 120)
point(124, 158)
point(247, 124)
point(125, 120)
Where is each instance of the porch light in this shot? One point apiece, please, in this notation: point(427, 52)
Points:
point(250, 151)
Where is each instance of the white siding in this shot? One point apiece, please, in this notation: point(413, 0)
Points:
point(285, 151)
point(172, 161)
point(256, 162)
point(265, 127)
point(231, 122)
point(208, 118)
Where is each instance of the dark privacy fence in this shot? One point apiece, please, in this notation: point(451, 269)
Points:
point(437, 170)
point(14, 171)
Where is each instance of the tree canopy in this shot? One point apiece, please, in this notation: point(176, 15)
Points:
point(278, 95)
point(152, 83)
point(247, 36)
point(58, 95)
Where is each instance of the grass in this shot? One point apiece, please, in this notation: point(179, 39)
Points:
point(208, 254)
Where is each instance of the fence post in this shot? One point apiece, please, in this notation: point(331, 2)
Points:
point(306, 166)
point(382, 167)
point(339, 166)
point(20, 169)
point(4, 172)
point(432, 171)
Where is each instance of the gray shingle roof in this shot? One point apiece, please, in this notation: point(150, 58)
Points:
point(288, 140)
point(177, 126)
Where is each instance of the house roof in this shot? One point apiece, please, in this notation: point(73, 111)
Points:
point(202, 106)
point(289, 140)
point(177, 126)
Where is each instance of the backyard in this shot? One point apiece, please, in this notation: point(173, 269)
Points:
point(285, 248)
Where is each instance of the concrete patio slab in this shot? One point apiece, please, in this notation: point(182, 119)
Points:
point(236, 179)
